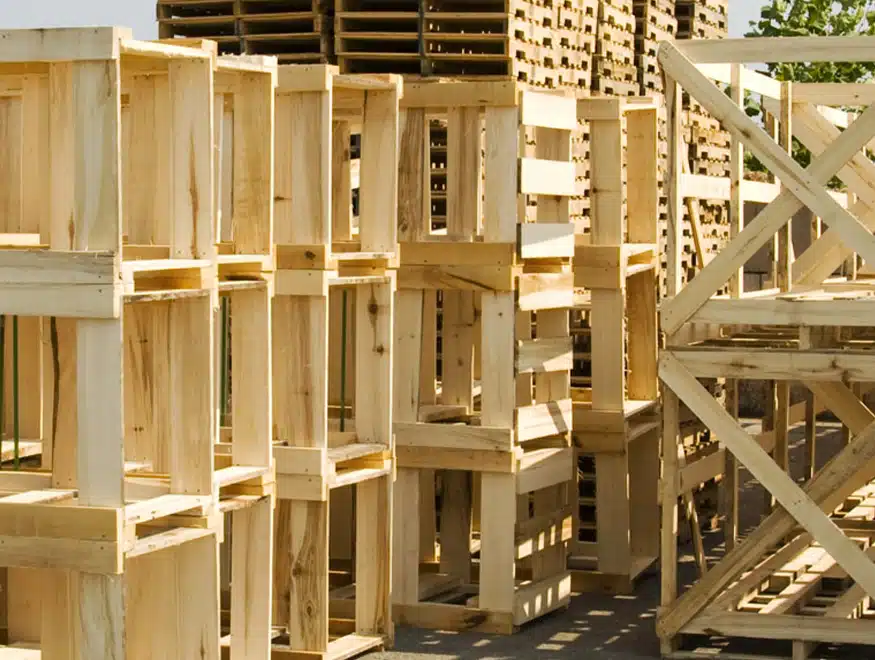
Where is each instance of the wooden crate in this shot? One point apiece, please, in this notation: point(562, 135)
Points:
point(811, 328)
point(504, 455)
point(319, 251)
point(128, 373)
point(616, 418)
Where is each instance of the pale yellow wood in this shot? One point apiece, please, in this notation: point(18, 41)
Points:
point(379, 176)
point(254, 141)
point(252, 578)
point(191, 158)
point(373, 603)
point(251, 381)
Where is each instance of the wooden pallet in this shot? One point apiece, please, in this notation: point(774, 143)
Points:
point(804, 296)
point(318, 456)
point(291, 30)
point(375, 37)
point(514, 469)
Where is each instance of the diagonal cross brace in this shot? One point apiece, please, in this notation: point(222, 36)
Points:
point(828, 252)
point(802, 187)
point(849, 470)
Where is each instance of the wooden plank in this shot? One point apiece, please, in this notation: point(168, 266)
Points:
point(303, 164)
point(251, 375)
point(502, 175)
point(783, 49)
point(798, 312)
point(548, 110)
point(373, 615)
point(192, 432)
point(776, 364)
point(464, 185)
point(373, 389)
point(62, 44)
point(300, 351)
point(251, 579)
point(544, 355)
point(547, 177)
point(497, 543)
point(379, 175)
point(546, 240)
point(192, 162)
point(253, 153)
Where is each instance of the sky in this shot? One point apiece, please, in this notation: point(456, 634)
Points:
point(140, 14)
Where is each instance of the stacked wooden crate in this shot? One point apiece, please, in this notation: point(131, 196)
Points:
point(616, 423)
point(502, 448)
point(320, 451)
point(542, 44)
point(614, 70)
point(292, 30)
point(123, 522)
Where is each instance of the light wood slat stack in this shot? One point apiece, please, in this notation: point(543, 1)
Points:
point(542, 44)
point(319, 250)
point(503, 450)
point(295, 31)
point(616, 422)
point(614, 69)
point(123, 523)
point(707, 142)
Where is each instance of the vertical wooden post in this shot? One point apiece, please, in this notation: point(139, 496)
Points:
point(671, 436)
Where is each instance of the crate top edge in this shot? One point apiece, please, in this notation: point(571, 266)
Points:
point(78, 44)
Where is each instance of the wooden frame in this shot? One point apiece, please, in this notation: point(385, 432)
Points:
point(821, 309)
point(320, 251)
point(496, 266)
point(616, 421)
point(115, 275)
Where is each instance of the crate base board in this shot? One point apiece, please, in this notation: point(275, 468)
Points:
point(700, 647)
point(348, 646)
point(585, 581)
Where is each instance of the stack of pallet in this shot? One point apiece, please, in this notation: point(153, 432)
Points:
point(292, 30)
point(121, 527)
point(376, 36)
point(495, 422)
point(614, 71)
point(541, 44)
point(616, 423)
point(656, 22)
point(707, 142)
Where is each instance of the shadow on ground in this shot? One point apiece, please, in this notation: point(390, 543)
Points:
point(605, 627)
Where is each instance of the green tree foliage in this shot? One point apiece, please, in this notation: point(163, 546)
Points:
point(820, 18)
point(799, 18)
